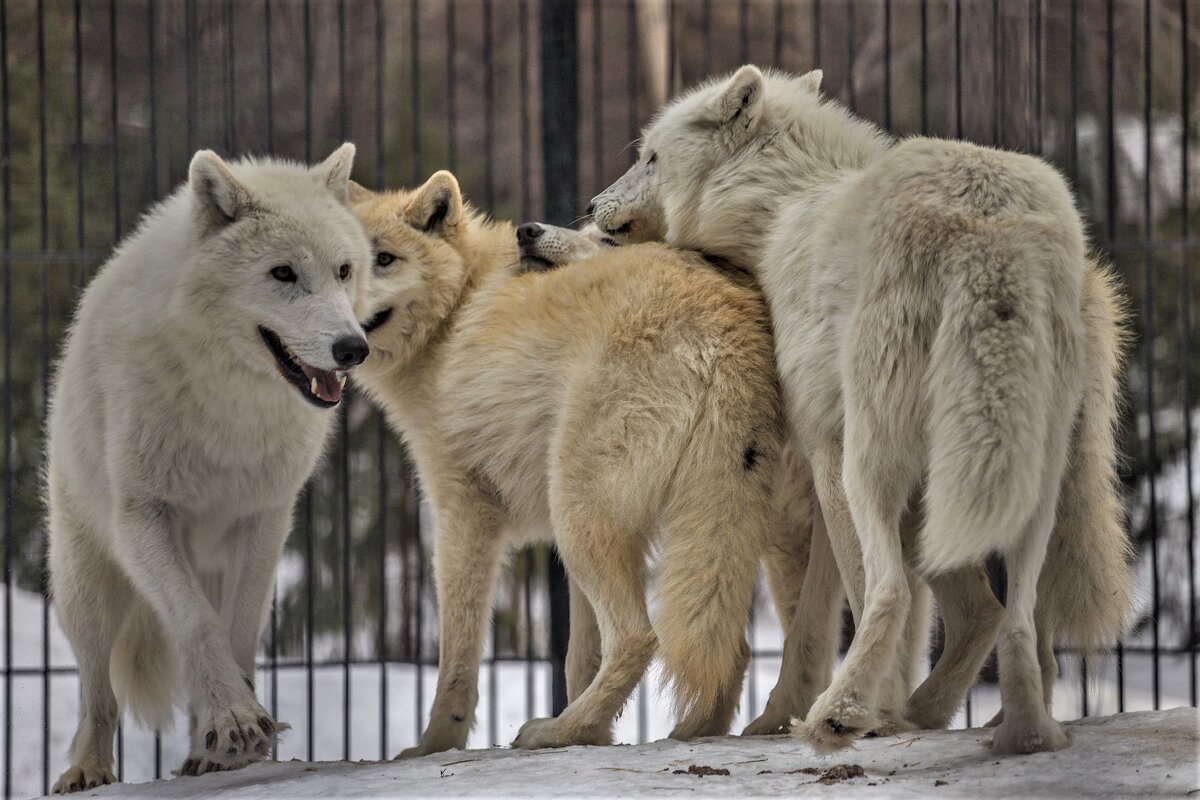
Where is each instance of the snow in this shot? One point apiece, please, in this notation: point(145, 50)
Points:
point(1150, 753)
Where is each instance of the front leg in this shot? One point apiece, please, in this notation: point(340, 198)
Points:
point(466, 556)
point(230, 724)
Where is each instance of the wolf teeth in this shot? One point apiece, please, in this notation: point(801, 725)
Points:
point(342, 382)
point(313, 386)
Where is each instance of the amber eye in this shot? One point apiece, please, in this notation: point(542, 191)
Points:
point(283, 273)
point(343, 272)
point(383, 259)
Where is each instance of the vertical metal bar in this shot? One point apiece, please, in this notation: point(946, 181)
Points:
point(816, 33)
point(671, 54)
point(80, 235)
point(308, 83)
point(743, 31)
point(268, 76)
point(523, 25)
point(270, 120)
point(189, 43)
point(924, 67)
point(1038, 111)
point(597, 95)
point(1111, 220)
point(451, 83)
point(489, 201)
point(851, 100)
point(43, 242)
point(1148, 343)
point(153, 98)
point(706, 23)
point(997, 83)
point(414, 47)
point(116, 138)
point(309, 568)
point(887, 64)
point(958, 122)
point(1185, 319)
point(381, 426)
point(632, 73)
point(1073, 143)
point(560, 151)
point(6, 173)
point(230, 80)
point(777, 47)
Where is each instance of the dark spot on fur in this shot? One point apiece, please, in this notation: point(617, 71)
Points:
point(749, 458)
point(210, 739)
point(249, 683)
point(458, 717)
point(1004, 312)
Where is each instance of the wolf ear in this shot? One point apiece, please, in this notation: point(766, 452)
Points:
point(357, 192)
point(811, 81)
point(334, 171)
point(217, 196)
point(740, 103)
point(437, 206)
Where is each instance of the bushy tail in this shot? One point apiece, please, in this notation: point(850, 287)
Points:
point(1085, 591)
point(144, 669)
point(989, 383)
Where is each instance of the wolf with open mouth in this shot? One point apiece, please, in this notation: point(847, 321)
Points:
point(190, 407)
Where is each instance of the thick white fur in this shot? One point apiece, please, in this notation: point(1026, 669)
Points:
point(625, 406)
point(935, 321)
point(177, 449)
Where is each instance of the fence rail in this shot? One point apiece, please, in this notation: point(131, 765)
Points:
point(533, 103)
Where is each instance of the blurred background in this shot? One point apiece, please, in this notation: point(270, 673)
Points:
point(536, 106)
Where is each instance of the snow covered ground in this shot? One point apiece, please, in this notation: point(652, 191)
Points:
point(1140, 754)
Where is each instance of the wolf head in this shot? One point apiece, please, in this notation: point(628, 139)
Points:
point(717, 162)
point(280, 265)
point(543, 247)
point(418, 272)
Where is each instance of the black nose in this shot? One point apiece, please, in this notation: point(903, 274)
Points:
point(591, 209)
point(350, 351)
point(528, 232)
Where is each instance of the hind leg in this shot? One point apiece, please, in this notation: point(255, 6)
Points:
point(583, 649)
point(91, 597)
point(877, 489)
point(810, 647)
point(605, 561)
point(972, 618)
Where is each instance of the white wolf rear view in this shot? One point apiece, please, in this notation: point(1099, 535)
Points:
point(936, 321)
point(190, 407)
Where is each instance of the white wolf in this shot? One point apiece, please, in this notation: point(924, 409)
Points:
point(189, 409)
point(940, 337)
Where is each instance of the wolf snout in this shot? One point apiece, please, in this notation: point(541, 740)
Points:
point(350, 351)
point(528, 232)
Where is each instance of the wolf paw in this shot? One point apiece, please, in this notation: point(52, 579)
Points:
point(834, 723)
point(1044, 736)
point(771, 722)
point(232, 737)
point(552, 732)
point(78, 779)
point(892, 724)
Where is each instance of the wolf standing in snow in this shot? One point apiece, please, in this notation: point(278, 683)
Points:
point(190, 406)
point(941, 338)
point(624, 402)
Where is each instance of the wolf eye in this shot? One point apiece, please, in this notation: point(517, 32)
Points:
point(383, 259)
point(343, 272)
point(284, 273)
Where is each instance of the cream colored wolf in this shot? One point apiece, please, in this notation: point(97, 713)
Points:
point(190, 406)
point(941, 338)
point(625, 405)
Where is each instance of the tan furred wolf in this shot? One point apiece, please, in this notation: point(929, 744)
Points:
point(623, 406)
point(941, 337)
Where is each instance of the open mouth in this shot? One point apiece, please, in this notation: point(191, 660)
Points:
point(321, 387)
point(377, 320)
point(532, 263)
point(620, 231)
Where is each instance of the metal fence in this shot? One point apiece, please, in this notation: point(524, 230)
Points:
point(533, 103)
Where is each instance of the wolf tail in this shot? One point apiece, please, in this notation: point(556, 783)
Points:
point(144, 669)
point(989, 382)
point(1086, 589)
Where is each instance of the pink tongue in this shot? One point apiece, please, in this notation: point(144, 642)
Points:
point(328, 387)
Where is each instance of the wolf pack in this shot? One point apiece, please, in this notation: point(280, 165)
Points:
point(783, 341)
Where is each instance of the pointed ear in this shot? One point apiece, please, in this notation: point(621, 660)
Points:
point(217, 197)
point(811, 81)
point(335, 171)
point(357, 193)
point(437, 206)
point(739, 104)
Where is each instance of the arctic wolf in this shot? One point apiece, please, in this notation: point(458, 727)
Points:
point(941, 338)
point(623, 405)
point(191, 404)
